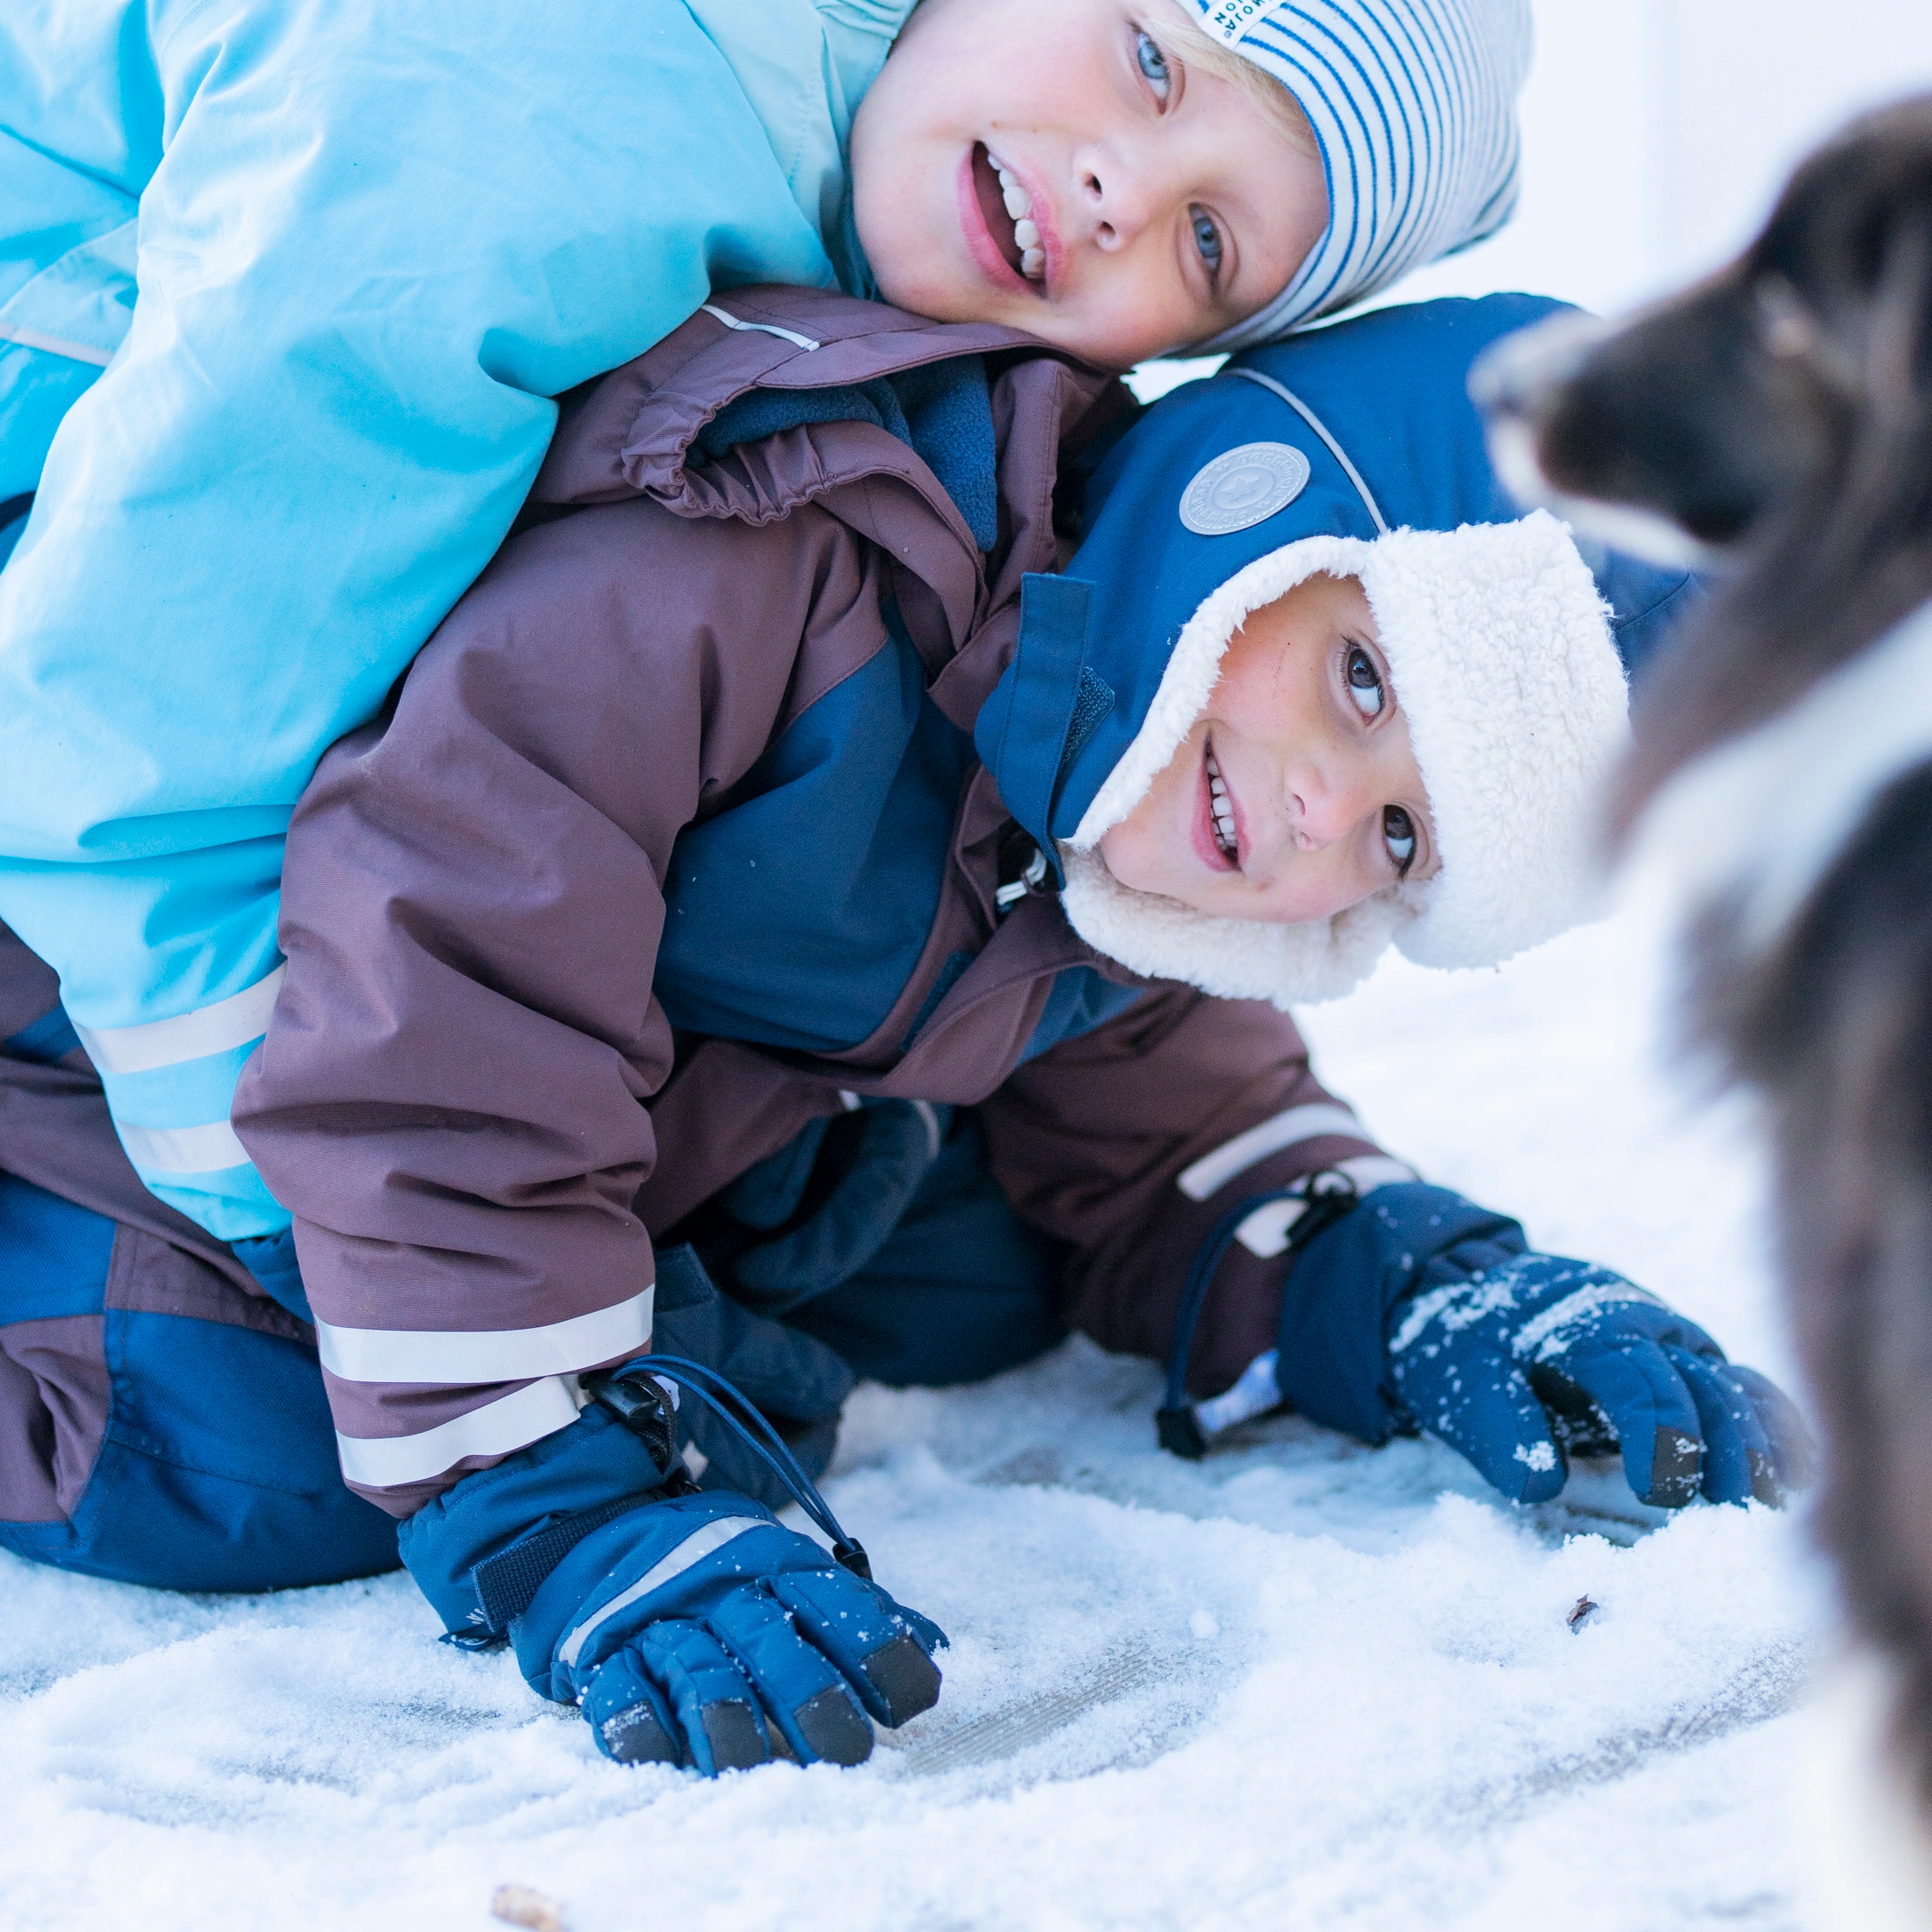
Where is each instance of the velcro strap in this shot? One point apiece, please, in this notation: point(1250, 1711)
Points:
point(507, 1583)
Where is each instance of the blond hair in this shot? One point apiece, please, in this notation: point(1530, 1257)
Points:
point(1198, 48)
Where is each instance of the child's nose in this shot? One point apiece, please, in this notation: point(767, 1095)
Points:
point(1117, 198)
point(1327, 801)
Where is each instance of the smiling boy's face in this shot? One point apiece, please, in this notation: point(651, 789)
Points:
point(1297, 793)
point(1057, 165)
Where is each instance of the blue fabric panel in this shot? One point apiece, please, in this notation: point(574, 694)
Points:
point(271, 1260)
point(218, 1471)
point(950, 421)
point(1081, 1000)
point(795, 916)
point(944, 410)
point(1023, 728)
point(963, 1289)
point(53, 1256)
point(50, 1037)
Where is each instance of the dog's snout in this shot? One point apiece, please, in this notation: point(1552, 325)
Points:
point(1515, 376)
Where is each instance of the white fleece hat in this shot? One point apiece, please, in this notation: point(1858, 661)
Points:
point(1500, 654)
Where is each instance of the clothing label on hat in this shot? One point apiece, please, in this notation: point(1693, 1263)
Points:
point(1229, 20)
point(1236, 491)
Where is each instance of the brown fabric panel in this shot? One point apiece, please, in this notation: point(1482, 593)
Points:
point(152, 1277)
point(450, 1097)
point(53, 1414)
point(1088, 1141)
point(29, 986)
point(56, 1132)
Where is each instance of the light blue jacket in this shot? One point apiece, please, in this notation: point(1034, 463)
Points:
point(286, 288)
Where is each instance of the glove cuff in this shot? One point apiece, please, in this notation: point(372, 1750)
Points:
point(1339, 1299)
point(592, 1462)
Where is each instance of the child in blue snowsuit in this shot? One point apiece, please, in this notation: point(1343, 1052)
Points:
point(781, 925)
point(291, 290)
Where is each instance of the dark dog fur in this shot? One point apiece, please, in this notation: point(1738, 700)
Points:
point(1781, 414)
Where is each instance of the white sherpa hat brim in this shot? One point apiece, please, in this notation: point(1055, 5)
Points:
point(1500, 650)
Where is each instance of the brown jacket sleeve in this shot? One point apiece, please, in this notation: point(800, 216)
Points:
point(448, 1100)
point(1131, 1141)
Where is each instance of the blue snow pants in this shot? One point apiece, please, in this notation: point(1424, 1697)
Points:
point(159, 1426)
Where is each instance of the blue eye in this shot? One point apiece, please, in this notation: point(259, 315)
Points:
point(1365, 683)
point(1153, 63)
point(1207, 239)
point(1398, 834)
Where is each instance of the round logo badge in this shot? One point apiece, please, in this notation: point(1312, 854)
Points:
point(1236, 491)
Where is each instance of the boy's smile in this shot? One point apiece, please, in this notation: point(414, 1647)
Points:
point(1064, 170)
point(1297, 793)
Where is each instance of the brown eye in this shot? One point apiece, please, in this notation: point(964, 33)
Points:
point(1365, 684)
point(1398, 834)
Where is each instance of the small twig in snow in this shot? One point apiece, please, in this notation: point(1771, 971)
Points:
point(1580, 1615)
point(518, 1904)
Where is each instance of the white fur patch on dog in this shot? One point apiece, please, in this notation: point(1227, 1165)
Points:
point(1768, 813)
point(1500, 653)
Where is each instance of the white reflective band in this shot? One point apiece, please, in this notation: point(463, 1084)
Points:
point(74, 352)
point(500, 1354)
point(699, 1544)
point(1255, 1393)
point(382, 1462)
point(1265, 1232)
point(763, 329)
point(1214, 1171)
point(229, 1022)
point(183, 1151)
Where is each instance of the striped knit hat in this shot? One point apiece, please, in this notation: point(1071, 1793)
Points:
point(1414, 105)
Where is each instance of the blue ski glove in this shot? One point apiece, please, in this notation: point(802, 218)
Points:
point(1416, 1308)
point(689, 1628)
point(692, 1630)
point(1539, 1354)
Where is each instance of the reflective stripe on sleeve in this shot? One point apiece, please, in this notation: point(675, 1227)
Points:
point(183, 1151)
point(1265, 1232)
point(388, 1461)
point(502, 1355)
point(1213, 1171)
point(229, 1024)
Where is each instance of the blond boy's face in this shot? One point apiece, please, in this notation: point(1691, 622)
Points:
point(1054, 165)
point(1297, 793)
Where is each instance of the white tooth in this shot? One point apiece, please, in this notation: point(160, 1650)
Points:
point(1215, 786)
point(1018, 201)
point(1033, 264)
point(1026, 233)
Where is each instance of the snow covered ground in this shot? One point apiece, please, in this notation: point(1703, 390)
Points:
point(1303, 1685)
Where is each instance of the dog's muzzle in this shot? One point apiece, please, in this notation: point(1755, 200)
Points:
point(1516, 385)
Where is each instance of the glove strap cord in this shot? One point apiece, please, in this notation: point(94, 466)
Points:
point(1327, 1196)
point(506, 1584)
point(716, 1392)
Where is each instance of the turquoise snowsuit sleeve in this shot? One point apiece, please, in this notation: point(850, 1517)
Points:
point(371, 248)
